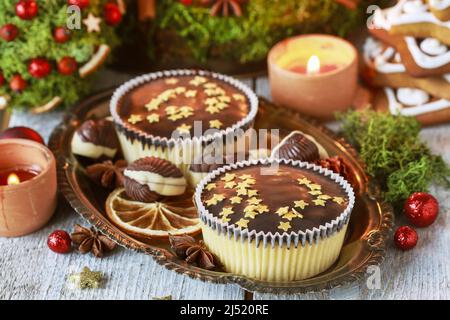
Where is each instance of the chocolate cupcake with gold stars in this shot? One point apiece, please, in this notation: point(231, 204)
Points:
point(174, 114)
point(274, 219)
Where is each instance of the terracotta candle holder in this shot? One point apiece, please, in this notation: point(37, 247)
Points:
point(26, 206)
point(314, 74)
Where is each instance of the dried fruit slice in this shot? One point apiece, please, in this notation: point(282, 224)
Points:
point(154, 220)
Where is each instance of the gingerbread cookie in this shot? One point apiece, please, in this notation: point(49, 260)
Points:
point(440, 8)
point(417, 103)
point(383, 67)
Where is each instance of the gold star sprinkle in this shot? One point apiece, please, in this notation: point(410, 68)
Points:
point(198, 80)
point(221, 105)
point(171, 81)
point(210, 186)
point(285, 226)
point(225, 219)
point(282, 211)
point(184, 128)
point(190, 93)
point(92, 23)
point(319, 202)
point(152, 105)
point(215, 124)
point(324, 197)
point(315, 192)
point(250, 208)
point(301, 204)
point(242, 185)
point(251, 214)
point(87, 279)
point(262, 208)
point(212, 109)
point(245, 176)
point(229, 185)
point(242, 223)
point(298, 214)
point(315, 186)
point(339, 200)
point(235, 200)
point(211, 101)
point(304, 181)
point(171, 110)
point(225, 99)
point(252, 193)
point(228, 177)
point(241, 192)
point(215, 200)
point(238, 97)
point(254, 201)
point(226, 211)
point(175, 117)
point(250, 181)
point(152, 118)
point(180, 90)
point(135, 118)
point(210, 85)
point(289, 216)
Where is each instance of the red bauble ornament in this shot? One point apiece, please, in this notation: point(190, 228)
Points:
point(80, 3)
point(9, 32)
point(39, 67)
point(59, 241)
point(22, 133)
point(186, 2)
point(112, 14)
point(17, 83)
point(26, 9)
point(2, 79)
point(421, 209)
point(67, 66)
point(405, 238)
point(61, 34)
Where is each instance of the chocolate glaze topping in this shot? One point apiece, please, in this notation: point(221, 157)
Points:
point(156, 165)
point(99, 132)
point(277, 192)
point(134, 104)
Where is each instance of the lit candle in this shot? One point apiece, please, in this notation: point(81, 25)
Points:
point(314, 74)
point(27, 186)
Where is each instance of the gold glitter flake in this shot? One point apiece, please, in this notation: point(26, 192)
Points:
point(184, 128)
point(229, 185)
point(243, 223)
point(171, 81)
point(210, 186)
point(152, 118)
point(301, 204)
point(319, 202)
point(282, 211)
point(215, 124)
point(235, 200)
point(339, 200)
point(228, 177)
point(135, 118)
point(285, 226)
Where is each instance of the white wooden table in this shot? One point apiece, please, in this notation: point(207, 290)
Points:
point(29, 270)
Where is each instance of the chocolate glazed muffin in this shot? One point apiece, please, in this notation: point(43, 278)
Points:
point(286, 225)
point(174, 114)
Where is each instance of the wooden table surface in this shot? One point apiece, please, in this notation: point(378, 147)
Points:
point(29, 270)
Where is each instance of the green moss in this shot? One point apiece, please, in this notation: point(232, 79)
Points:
point(35, 40)
point(390, 147)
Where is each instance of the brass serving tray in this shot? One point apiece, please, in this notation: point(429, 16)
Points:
point(366, 238)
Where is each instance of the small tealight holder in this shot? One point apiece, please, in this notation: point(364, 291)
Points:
point(28, 194)
point(315, 74)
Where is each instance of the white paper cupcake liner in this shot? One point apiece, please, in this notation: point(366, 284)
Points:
point(291, 239)
point(188, 146)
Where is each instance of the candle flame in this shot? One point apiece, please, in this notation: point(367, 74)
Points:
point(13, 179)
point(313, 65)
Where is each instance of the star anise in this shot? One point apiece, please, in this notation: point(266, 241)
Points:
point(90, 240)
point(187, 248)
point(107, 174)
point(226, 7)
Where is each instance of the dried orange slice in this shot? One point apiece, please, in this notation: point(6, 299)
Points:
point(155, 220)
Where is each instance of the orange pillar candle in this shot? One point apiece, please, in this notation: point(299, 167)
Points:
point(27, 186)
point(314, 74)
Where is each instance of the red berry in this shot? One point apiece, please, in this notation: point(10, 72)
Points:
point(61, 34)
point(80, 3)
point(9, 32)
point(112, 14)
point(22, 133)
point(59, 241)
point(67, 66)
point(405, 238)
point(39, 67)
point(186, 2)
point(17, 83)
point(2, 79)
point(26, 9)
point(421, 209)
